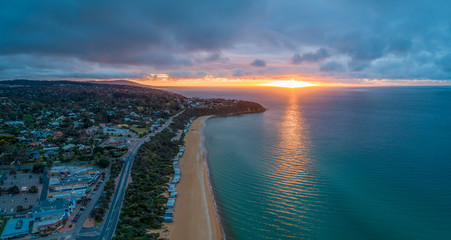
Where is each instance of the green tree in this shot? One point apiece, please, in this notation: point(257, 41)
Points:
point(84, 201)
point(103, 163)
point(20, 208)
point(13, 190)
point(28, 119)
point(33, 189)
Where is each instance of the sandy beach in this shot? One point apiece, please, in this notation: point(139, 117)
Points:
point(194, 213)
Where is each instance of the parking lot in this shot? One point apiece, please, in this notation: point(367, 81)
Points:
point(25, 199)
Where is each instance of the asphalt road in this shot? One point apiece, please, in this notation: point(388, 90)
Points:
point(112, 218)
point(45, 187)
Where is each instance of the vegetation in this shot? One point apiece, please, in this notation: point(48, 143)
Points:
point(99, 212)
point(39, 118)
point(33, 189)
point(144, 204)
point(45, 122)
point(219, 107)
point(13, 190)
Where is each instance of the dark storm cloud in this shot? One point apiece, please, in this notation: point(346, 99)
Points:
point(258, 63)
point(112, 31)
point(319, 55)
point(332, 67)
point(106, 37)
point(212, 57)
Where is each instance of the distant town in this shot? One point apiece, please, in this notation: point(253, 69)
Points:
point(67, 152)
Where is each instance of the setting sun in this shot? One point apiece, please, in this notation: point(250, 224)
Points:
point(289, 84)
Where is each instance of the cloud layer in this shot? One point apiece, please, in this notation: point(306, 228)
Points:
point(345, 39)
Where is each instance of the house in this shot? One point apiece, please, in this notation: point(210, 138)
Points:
point(92, 130)
point(34, 154)
point(168, 215)
point(171, 203)
point(15, 123)
point(50, 153)
point(148, 119)
point(114, 130)
point(78, 124)
point(68, 147)
point(57, 135)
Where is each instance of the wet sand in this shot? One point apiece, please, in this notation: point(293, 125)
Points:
point(194, 213)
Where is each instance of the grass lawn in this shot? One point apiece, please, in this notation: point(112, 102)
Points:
point(138, 130)
point(3, 224)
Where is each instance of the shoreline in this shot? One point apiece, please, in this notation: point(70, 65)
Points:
point(195, 214)
point(208, 180)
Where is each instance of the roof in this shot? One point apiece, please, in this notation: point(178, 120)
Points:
point(47, 207)
point(171, 203)
point(51, 219)
point(16, 227)
point(68, 146)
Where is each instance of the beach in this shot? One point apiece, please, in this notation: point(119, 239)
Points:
point(194, 213)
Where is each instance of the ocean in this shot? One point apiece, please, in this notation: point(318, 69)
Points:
point(333, 163)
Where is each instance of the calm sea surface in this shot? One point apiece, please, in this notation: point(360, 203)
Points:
point(333, 163)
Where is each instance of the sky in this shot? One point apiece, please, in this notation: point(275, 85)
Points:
point(229, 42)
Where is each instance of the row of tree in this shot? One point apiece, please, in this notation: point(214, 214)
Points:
point(144, 203)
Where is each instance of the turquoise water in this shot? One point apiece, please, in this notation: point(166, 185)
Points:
point(343, 163)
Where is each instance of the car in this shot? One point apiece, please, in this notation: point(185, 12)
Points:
point(89, 199)
point(75, 220)
point(82, 208)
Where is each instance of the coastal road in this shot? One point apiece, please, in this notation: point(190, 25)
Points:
point(112, 218)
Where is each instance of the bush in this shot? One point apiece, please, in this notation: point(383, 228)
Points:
point(13, 190)
point(33, 189)
point(20, 208)
point(103, 163)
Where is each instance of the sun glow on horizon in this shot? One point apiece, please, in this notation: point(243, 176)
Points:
point(289, 84)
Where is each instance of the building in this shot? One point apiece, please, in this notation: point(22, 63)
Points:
point(50, 216)
point(48, 224)
point(16, 228)
point(67, 180)
point(15, 123)
point(47, 207)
